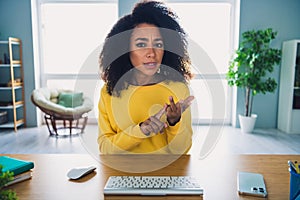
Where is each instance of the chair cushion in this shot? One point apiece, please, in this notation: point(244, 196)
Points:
point(70, 100)
point(44, 98)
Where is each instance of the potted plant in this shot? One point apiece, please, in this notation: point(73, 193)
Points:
point(249, 69)
point(5, 177)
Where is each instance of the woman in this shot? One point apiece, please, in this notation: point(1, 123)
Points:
point(144, 104)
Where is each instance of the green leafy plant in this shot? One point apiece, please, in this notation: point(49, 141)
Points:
point(5, 177)
point(252, 62)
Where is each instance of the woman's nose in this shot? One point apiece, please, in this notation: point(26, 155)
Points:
point(150, 52)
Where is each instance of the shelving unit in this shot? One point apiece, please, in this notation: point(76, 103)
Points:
point(289, 91)
point(12, 99)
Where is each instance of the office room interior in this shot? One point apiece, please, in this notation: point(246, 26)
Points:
point(60, 43)
point(22, 19)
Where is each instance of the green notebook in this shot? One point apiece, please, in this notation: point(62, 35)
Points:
point(15, 165)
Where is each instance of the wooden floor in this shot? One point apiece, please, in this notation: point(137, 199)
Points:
point(221, 139)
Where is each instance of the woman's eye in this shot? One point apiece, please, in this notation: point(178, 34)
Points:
point(159, 45)
point(141, 44)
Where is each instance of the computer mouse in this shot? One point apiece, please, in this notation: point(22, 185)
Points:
point(77, 173)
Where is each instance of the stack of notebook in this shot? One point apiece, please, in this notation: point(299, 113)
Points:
point(21, 169)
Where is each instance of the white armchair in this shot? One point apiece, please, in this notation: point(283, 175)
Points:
point(47, 100)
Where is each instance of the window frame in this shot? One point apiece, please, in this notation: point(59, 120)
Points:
point(42, 77)
point(234, 41)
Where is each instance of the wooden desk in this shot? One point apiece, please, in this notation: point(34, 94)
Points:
point(217, 175)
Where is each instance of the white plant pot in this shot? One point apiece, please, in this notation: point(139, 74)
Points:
point(247, 123)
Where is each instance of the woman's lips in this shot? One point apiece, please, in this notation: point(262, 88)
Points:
point(150, 64)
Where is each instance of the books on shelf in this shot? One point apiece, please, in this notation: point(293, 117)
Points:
point(22, 169)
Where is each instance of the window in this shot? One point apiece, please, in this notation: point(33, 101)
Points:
point(210, 26)
point(71, 36)
point(71, 33)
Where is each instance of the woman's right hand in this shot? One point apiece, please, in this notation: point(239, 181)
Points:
point(154, 124)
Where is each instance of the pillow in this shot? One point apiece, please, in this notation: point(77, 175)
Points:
point(54, 100)
point(70, 100)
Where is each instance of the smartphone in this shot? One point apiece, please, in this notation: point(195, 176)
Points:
point(252, 184)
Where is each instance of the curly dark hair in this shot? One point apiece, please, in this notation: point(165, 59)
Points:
point(114, 57)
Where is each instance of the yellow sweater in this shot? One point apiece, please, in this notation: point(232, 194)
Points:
point(119, 119)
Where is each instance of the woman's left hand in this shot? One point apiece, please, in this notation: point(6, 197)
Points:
point(174, 111)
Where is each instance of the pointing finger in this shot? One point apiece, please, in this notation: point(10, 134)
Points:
point(187, 102)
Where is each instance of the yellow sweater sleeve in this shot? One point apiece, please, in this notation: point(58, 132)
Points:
point(119, 119)
point(112, 140)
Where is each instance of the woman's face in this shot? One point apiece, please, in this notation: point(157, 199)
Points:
point(146, 49)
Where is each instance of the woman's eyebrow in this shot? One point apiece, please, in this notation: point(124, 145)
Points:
point(143, 39)
point(158, 39)
point(146, 39)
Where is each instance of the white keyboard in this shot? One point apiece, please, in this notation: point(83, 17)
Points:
point(152, 185)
